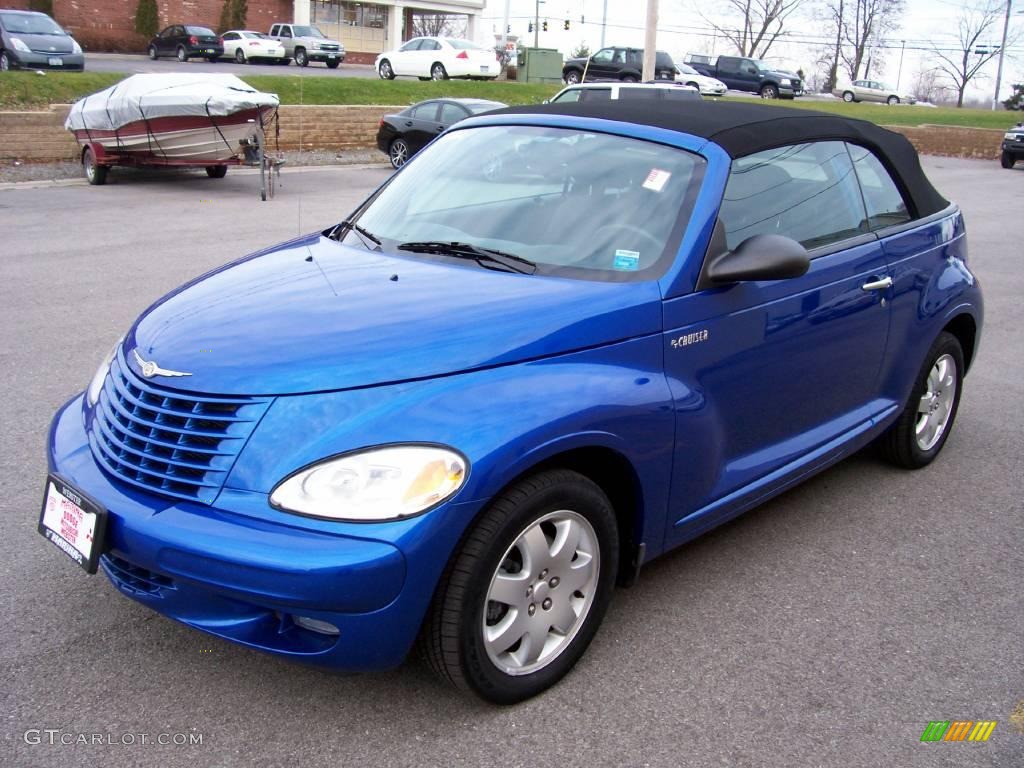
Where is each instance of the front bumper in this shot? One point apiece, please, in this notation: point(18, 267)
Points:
point(1015, 148)
point(68, 61)
point(315, 55)
point(228, 571)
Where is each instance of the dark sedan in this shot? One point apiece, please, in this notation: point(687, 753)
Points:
point(186, 41)
point(402, 135)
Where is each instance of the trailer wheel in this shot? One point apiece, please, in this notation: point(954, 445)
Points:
point(95, 173)
point(216, 171)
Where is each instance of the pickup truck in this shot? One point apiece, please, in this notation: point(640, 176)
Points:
point(306, 43)
point(743, 74)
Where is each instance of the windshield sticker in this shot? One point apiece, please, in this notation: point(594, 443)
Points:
point(628, 261)
point(656, 180)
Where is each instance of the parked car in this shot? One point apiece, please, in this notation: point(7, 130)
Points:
point(872, 90)
point(617, 63)
point(186, 41)
point(590, 92)
point(1013, 146)
point(707, 86)
point(31, 40)
point(438, 58)
point(244, 45)
point(402, 135)
point(563, 341)
point(306, 43)
point(752, 75)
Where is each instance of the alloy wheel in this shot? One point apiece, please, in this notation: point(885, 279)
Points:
point(541, 592)
point(936, 403)
point(399, 153)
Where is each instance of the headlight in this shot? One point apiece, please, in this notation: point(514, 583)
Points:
point(316, 45)
point(1010, 136)
point(377, 484)
point(785, 81)
point(19, 45)
point(92, 395)
point(75, 47)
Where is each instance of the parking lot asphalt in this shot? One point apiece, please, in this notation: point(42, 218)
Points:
point(826, 628)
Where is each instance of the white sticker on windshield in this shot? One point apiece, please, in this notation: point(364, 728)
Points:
point(656, 180)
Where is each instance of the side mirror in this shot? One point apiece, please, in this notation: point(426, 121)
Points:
point(761, 257)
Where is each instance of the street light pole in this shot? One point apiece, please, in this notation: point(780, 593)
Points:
point(604, 21)
point(899, 72)
point(536, 23)
point(1002, 50)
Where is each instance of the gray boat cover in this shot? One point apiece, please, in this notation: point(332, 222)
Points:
point(145, 97)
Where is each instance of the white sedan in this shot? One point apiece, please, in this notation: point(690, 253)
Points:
point(244, 45)
point(438, 58)
point(708, 86)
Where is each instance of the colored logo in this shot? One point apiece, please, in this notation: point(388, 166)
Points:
point(958, 730)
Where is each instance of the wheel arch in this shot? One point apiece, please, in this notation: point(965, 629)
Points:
point(964, 327)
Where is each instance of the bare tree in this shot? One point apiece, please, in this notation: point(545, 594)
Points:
point(975, 25)
point(927, 86)
point(437, 25)
point(758, 24)
point(866, 23)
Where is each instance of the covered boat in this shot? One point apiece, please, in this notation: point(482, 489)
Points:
point(172, 119)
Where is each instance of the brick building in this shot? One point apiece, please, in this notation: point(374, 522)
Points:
point(366, 29)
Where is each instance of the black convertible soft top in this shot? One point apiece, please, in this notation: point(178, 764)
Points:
point(745, 128)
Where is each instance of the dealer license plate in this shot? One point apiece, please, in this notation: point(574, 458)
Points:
point(73, 523)
point(485, 69)
point(56, 61)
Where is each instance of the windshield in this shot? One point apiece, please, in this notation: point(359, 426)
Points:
point(255, 35)
point(31, 24)
point(686, 69)
point(465, 45)
point(578, 204)
point(307, 32)
point(477, 107)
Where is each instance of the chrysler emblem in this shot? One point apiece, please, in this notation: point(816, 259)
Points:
point(151, 369)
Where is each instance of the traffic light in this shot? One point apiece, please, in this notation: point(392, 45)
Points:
point(544, 26)
point(566, 25)
point(508, 29)
point(531, 27)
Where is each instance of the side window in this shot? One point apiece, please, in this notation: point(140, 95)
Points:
point(430, 45)
point(808, 192)
point(728, 64)
point(286, 31)
point(427, 111)
point(274, 30)
point(452, 113)
point(882, 197)
point(637, 94)
point(596, 94)
point(568, 97)
point(604, 56)
point(412, 45)
point(230, 36)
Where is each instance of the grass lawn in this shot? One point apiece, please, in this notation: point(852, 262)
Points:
point(27, 90)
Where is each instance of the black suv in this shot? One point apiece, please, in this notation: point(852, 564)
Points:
point(625, 64)
point(1013, 146)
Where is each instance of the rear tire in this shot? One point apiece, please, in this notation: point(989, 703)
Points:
point(398, 153)
point(892, 101)
point(556, 533)
point(630, 79)
point(1007, 160)
point(438, 72)
point(182, 54)
point(216, 171)
point(95, 174)
point(917, 436)
point(213, 59)
point(301, 59)
point(239, 56)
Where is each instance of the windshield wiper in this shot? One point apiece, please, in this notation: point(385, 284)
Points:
point(364, 233)
point(482, 256)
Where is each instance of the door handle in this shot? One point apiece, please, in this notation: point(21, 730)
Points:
point(877, 285)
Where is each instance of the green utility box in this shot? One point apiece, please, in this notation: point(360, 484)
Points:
point(539, 65)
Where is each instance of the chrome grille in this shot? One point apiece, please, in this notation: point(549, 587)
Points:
point(176, 444)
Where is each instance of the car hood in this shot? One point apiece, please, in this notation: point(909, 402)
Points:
point(314, 315)
point(782, 73)
point(580, 60)
point(46, 43)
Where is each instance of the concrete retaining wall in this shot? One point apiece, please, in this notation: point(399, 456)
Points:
point(40, 136)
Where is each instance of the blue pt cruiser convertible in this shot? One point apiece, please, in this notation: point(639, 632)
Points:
point(558, 343)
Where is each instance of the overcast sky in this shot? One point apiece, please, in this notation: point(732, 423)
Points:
point(681, 29)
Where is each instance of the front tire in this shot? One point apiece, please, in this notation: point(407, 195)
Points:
point(385, 71)
point(152, 53)
point(919, 433)
point(1007, 160)
point(572, 77)
point(333, 64)
point(523, 597)
point(95, 174)
point(216, 171)
point(398, 153)
point(630, 79)
point(301, 59)
point(769, 91)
